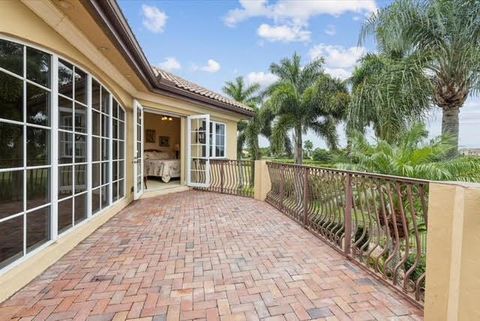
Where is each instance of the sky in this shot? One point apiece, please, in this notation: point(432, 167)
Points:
point(210, 42)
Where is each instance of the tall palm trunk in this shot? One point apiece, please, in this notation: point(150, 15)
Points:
point(298, 145)
point(450, 126)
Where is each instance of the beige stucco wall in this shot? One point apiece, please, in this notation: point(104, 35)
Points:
point(19, 23)
point(453, 260)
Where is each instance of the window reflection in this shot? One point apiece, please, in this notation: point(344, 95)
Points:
point(11, 145)
point(11, 56)
point(11, 240)
point(38, 146)
point(38, 187)
point(11, 193)
point(38, 105)
point(38, 66)
point(38, 228)
point(11, 97)
point(65, 78)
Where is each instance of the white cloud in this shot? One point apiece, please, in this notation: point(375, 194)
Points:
point(212, 66)
point(170, 63)
point(291, 17)
point(295, 11)
point(153, 18)
point(283, 33)
point(331, 30)
point(261, 78)
point(339, 61)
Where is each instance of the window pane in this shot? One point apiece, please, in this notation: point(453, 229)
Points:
point(65, 148)
point(80, 148)
point(105, 201)
point(115, 171)
point(96, 148)
point(96, 120)
point(80, 85)
point(96, 174)
point(105, 173)
point(80, 118)
point(80, 178)
point(114, 108)
point(121, 131)
point(65, 209)
point(121, 191)
point(105, 100)
point(11, 193)
point(115, 128)
point(38, 187)
point(65, 181)
point(115, 191)
point(115, 149)
point(80, 207)
point(121, 114)
point(11, 97)
point(121, 150)
point(11, 145)
point(95, 95)
point(38, 228)
point(11, 240)
point(105, 127)
point(65, 78)
point(11, 56)
point(96, 200)
point(38, 66)
point(105, 149)
point(65, 113)
point(38, 146)
point(38, 105)
point(121, 168)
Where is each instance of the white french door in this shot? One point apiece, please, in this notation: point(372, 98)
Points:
point(138, 150)
point(198, 145)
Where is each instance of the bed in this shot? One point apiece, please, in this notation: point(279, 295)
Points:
point(161, 164)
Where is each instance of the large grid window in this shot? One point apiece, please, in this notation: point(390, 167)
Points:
point(217, 140)
point(48, 107)
point(72, 147)
point(118, 151)
point(25, 164)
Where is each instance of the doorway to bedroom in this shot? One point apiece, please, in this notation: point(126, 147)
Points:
point(161, 151)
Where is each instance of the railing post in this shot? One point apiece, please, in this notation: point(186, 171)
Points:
point(222, 174)
point(348, 215)
point(282, 187)
point(305, 197)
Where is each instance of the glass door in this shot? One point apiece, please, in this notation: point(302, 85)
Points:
point(138, 150)
point(198, 142)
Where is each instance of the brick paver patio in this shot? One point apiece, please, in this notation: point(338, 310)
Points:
point(204, 256)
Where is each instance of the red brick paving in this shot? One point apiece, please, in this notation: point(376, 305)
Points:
point(204, 256)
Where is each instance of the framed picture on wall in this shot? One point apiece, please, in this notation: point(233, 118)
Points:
point(164, 141)
point(150, 135)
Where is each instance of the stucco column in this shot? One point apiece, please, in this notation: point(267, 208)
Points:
point(262, 181)
point(453, 253)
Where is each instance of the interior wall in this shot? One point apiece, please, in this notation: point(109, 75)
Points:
point(170, 128)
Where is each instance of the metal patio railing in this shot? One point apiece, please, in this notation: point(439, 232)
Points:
point(377, 221)
point(234, 177)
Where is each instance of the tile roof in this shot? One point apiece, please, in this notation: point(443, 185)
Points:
point(189, 86)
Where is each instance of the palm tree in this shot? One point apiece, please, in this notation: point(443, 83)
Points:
point(412, 156)
point(259, 124)
point(383, 99)
point(447, 34)
point(305, 98)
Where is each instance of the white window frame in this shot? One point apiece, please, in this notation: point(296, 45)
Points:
point(213, 141)
point(54, 164)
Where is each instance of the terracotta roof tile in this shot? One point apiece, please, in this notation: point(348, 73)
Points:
point(189, 86)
